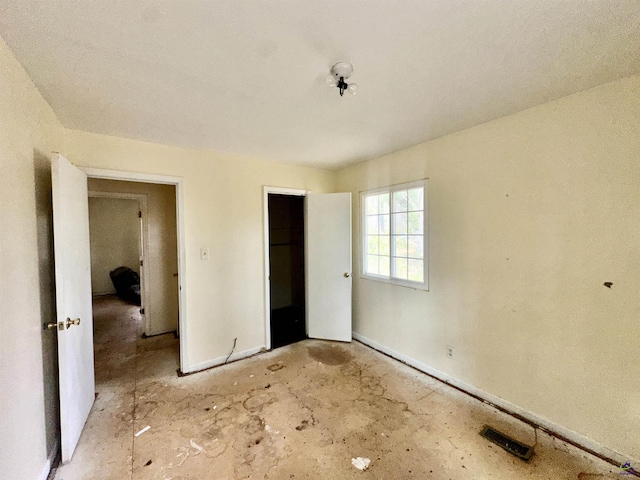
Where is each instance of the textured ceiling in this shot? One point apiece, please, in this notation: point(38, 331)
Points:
point(247, 77)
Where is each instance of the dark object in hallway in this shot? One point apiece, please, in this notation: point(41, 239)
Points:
point(127, 284)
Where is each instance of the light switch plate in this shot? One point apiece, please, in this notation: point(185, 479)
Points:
point(204, 254)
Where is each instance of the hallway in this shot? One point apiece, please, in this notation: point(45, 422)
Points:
point(123, 362)
point(298, 412)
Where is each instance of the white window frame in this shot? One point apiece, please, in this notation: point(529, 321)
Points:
point(363, 234)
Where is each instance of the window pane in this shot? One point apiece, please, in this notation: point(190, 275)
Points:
point(416, 270)
point(383, 203)
point(385, 266)
point(416, 249)
point(372, 264)
point(393, 233)
point(383, 224)
point(371, 205)
point(372, 244)
point(415, 222)
point(401, 268)
point(399, 246)
point(399, 223)
point(416, 199)
point(372, 225)
point(383, 245)
point(400, 201)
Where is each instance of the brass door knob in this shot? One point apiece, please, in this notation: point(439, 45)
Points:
point(347, 275)
point(50, 326)
point(75, 321)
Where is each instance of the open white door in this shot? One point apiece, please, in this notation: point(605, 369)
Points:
point(329, 266)
point(73, 300)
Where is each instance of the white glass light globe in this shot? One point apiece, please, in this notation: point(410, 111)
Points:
point(331, 81)
point(353, 88)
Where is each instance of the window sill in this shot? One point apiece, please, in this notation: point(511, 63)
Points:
point(400, 283)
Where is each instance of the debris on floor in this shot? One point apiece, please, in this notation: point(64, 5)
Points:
point(361, 463)
point(142, 431)
point(357, 402)
point(196, 446)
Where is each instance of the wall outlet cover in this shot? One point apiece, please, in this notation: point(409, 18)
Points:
point(449, 349)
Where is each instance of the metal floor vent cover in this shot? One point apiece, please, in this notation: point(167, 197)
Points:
point(509, 444)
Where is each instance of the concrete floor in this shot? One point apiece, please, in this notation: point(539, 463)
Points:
point(299, 412)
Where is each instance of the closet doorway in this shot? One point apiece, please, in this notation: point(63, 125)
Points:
point(286, 269)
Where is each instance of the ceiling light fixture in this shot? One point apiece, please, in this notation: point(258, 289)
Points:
point(339, 73)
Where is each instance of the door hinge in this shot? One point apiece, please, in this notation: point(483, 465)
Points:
point(141, 263)
point(139, 214)
point(142, 311)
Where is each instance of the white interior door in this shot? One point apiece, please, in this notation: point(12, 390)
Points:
point(329, 266)
point(73, 300)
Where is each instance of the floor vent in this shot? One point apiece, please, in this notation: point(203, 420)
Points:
point(509, 444)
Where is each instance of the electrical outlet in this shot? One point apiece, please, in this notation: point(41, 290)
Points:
point(204, 253)
point(449, 351)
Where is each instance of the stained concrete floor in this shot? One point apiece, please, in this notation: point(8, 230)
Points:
point(298, 412)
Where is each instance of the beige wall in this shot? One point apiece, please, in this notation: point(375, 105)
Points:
point(162, 255)
point(115, 239)
point(223, 212)
point(28, 356)
point(528, 216)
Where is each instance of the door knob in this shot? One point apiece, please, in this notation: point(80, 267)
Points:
point(75, 321)
point(346, 275)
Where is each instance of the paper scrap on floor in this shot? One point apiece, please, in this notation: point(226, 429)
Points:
point(361, 463)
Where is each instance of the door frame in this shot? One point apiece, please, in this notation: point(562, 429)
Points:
point(267, 282)
point(182, 289)
point(144, 243)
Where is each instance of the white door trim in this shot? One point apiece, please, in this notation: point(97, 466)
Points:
point(178, 182)
point(267, 284)
point(142, 205)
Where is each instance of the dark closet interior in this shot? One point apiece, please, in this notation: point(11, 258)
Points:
point(286, 269)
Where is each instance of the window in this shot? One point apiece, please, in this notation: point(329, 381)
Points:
point(394, 234)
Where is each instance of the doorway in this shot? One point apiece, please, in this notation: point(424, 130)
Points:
point(156, 262)
point(286, 269)
point(134, 278)
point(70, 202)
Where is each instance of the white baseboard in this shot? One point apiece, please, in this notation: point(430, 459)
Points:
point(46, 469)
point(221, 360)
point(555, 429)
